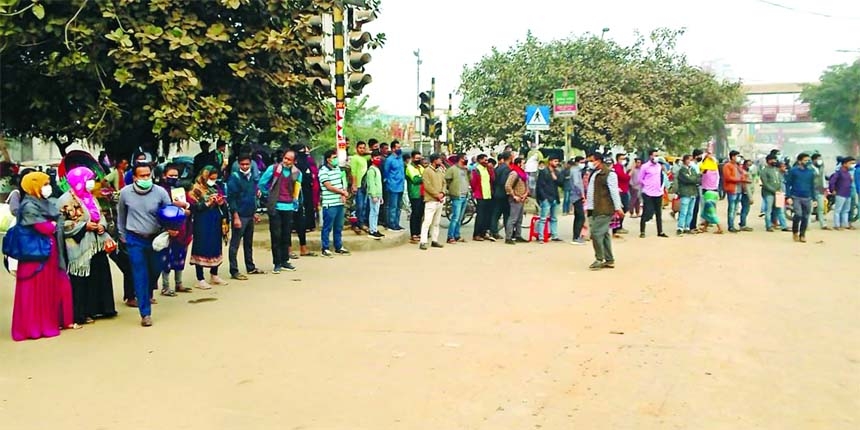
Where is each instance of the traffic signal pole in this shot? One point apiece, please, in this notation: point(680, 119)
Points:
point(433, 115)
point(339, 81)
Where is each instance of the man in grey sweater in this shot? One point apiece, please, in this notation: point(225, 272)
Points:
point(137, 223)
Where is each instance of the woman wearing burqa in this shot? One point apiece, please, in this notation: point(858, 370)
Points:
point(306, 215)
point(86, 244)
point(43, 295)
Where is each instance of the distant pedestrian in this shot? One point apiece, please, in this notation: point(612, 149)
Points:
point(651, 181)
point(603, 202)
point(434, 200)
point(374, 193)
point(242, 193)
point(517, 190)
point(334, 197)
point(800, 188)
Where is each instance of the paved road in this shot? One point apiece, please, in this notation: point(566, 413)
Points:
point(707, 332)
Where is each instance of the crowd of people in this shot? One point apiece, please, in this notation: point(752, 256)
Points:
point(65, 238)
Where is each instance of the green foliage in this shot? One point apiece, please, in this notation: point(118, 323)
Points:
point(361, 125)
point(836, 101)
point(637, 96)
point(130, 73)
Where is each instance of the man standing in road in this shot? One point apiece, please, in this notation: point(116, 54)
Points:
point(548, 181)
point(414, 178)
point(821, 190)
point(620, 168)
point(732, 183)
point(577, 196)
point(138, 224)
point(651, 183)
point(482, 190)
point(334, 196)
point(283, 182)
point(517, 190)
point(358, 168)
point(394, 174)
point(434, 199)
point(501, 208)
point(800, 187)
point(603, 201)
point(242, 193)
point(457, 179)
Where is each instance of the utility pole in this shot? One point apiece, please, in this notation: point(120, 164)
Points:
point(433, 115)
point(417, 54)
point(449, 136)
point(339, 82)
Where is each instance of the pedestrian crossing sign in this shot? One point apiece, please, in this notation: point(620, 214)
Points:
point(537, 118)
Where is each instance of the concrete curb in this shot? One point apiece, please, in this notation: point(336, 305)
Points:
point(351, 241)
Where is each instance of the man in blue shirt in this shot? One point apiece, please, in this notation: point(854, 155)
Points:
point(242, 195)
point(800, 188)
point(394, 173)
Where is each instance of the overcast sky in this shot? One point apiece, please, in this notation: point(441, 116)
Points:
point(746, 39)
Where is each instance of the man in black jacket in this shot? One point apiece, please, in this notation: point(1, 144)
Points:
point(548, 181)
point(501, 207)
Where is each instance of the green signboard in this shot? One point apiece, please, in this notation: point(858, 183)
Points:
point(564, 103)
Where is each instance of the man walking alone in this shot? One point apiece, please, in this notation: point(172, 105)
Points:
point(603, 201)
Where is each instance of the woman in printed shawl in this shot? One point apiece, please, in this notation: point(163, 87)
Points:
point(86, 242)
point(43, 296)
point(207, 208)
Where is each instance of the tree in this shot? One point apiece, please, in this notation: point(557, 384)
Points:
point(131, 73)
point(835, 101)
point(637, 96)
point(361, 122)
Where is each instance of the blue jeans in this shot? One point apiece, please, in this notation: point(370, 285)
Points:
point(458, 206)
point(685, 215)
point(745, 209)
point(394, 203)
point(362, 207)
point(565, 207)
point(841, 212)
point(548, 209)
point(734, 200)
point(373, 217)
point(819, 209)
point(146, 266)
point(333, 220)
point(767, 201)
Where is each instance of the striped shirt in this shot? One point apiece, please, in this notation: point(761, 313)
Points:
point(334, 177)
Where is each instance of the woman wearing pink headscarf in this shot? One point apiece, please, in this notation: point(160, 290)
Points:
point(87, 245)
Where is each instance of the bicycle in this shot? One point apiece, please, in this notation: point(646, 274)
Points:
point(468, 212)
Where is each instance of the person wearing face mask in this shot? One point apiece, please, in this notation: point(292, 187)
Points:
point(732, 182)
point(800, 188)
point(697, 202)
point(137, 224)
point(771, 184)
point(282, 183)
point(434, 199)
point(635, 205)
point(688, 189)
point(334, 196)
point(394, 176)
point(842, 184)
point(457, 178)
point(309, 200)
point(620, 168)
point(208, 208)
point(481, 182)
point(821, 186)
point(651, 181)
point(242, 194)
point(173, 257)
point(86, 245)
point(374, 193)
point(577, 196)
point(517, 190)
point(43, 294)
point(603, 203)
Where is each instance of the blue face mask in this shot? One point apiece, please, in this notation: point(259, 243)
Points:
point(171, 182)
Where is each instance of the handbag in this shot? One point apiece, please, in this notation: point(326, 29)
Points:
point(24, 243)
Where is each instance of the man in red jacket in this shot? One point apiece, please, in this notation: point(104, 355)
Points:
point(620, 168)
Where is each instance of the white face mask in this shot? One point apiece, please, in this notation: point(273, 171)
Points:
point(90, 185)
point(211, 183)
point(590, 165)
point(245, 171)
point(47, 190)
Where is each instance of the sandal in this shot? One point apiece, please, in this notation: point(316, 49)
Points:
point(89, 321)
point(181, 289)
point(309, 254)
point(294, 256)
point(168, 292)
point(257, 272)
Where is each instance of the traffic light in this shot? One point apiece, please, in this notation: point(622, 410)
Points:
point(437, 129)
point(357, 40)
point(424, 105)
point(317, 65)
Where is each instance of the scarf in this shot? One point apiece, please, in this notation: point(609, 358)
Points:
point(201, 191)
point(519, 170)
point(38, 209)
point(77, 179)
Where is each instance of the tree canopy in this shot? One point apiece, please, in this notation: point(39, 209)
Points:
point(835, 101)
point(130, 73)
point(362, 126)
point(637, 96)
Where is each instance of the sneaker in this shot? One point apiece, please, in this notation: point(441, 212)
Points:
point(375, 235)
point(510, 242)
point(497, 236)
point(288, 267)
point(239, 277)
point(802, 239)
point(327, 253)
point(342, 251)
point(641, 235)
point(276, 270)
point(745, 228)
point(796, 237)
point(597, 265)
point(216, 280)
point(203, 285)
point(436, 245)
point(662, 235)
point(396, 228)
point(520, 240)
point(622, 231)
point(489, 237)
point(786, 230)
point(825, 228)
point(679, 232)
point(422, 246)
point(577, 242)
point(556, 239)
point(770, 230)
point(146, 321)
point(608, 264)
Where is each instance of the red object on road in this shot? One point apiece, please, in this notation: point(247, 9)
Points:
point(534, 234)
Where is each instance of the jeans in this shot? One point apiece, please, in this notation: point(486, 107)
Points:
point(147, 267)
point(501, 209)
point(653, 206)
point(694, 211)
point(482, 217)
point(373, 216)
point(802, 207)
point(548, 210)
point(514, 226)
point(601, 237)
point(734, 200)
point(625, 203)
point(362, 209)
point(745, 209)
point(685, 215)
point(121, 259)
point(565, 207)
point(767, 201)
point(333, 221)
point(280, 229)
point(394, 202)
point(458, 206)
point(819, 210)
point(245, 233)
point(578, 218)
point(432, 217)
point(417, 213)
point(841, 212)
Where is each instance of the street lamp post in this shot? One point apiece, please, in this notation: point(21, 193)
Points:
point(417, 54)
point(603, 32)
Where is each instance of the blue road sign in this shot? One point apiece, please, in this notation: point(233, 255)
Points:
point(537, 118)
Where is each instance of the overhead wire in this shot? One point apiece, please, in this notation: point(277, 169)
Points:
point(808, 12)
